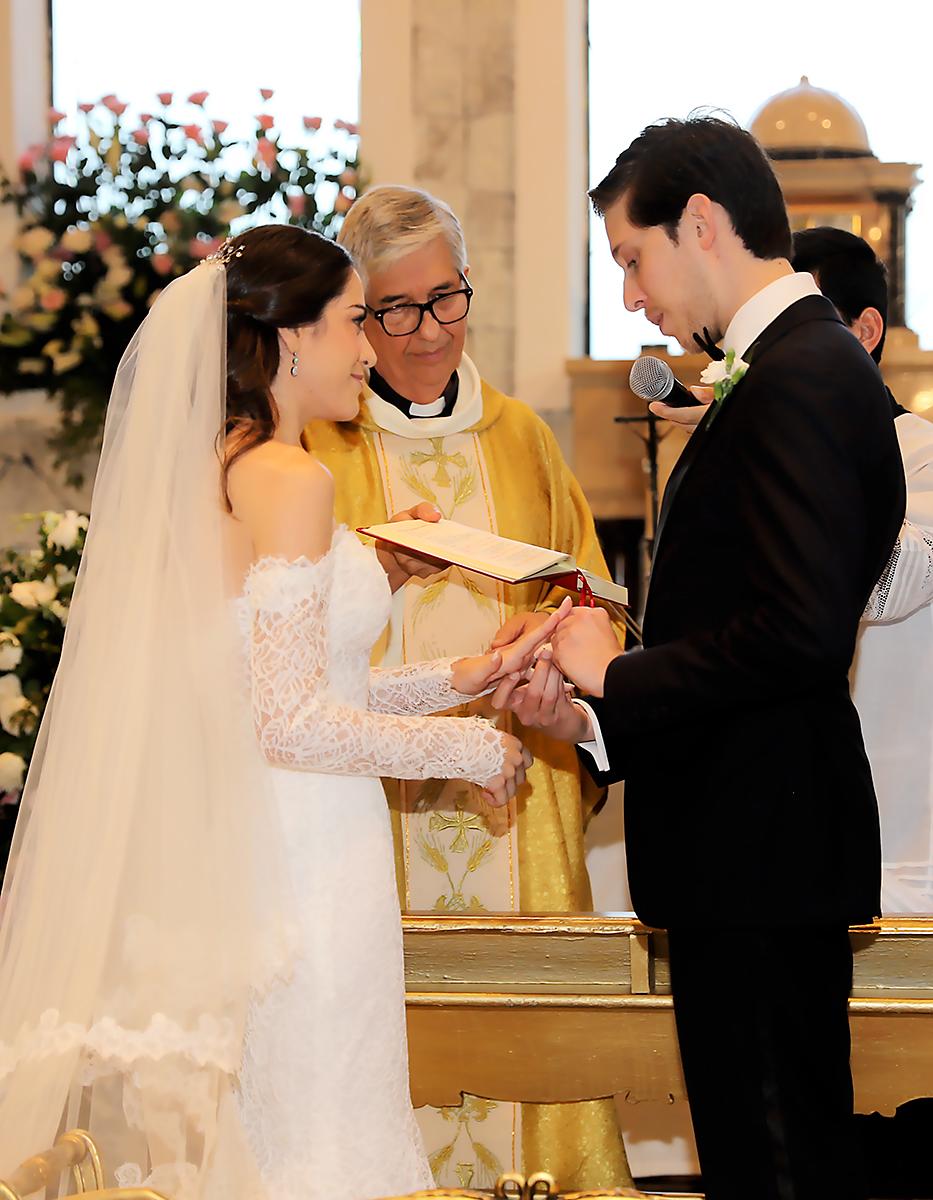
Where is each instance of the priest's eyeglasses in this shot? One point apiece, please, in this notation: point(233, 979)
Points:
point(400, 320)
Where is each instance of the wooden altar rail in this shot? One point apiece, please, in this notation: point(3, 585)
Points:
point(564, 1008)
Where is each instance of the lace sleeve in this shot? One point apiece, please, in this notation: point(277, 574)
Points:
point(906, 583)
point(421, 687)
point(300, 721)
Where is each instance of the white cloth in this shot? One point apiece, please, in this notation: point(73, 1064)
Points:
point(892, 686)
point(324, 1087)
point(145, 902)
point(467, 410)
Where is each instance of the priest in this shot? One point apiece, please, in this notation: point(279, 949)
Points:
point(432, 431)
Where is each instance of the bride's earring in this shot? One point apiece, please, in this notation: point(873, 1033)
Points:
point(294, 367)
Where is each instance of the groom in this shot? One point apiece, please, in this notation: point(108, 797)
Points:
point(751, 822)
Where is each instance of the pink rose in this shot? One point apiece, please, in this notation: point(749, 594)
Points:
point(86, 108)
point(296, 204)
point(28, 159)
point(58, 151)
point(115, 106)
point(141, 135)
point(102, 241)
point(219, 126)
point(145, 118)
point(201, 247)
point(343, 203)
point(312, 122)
point(351, 127)
point(164, 97)
point(197, 98)
point(267, 152)
point(9, 797)
point(53, 300)
point(265, 121)
point(194, 134)
point(162, 264)
point(267, 93)
point(348, 178)
point(55, 116)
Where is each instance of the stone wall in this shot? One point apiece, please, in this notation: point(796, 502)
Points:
point(463, 113)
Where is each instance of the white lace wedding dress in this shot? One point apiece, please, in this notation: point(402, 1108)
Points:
point(324, 1094)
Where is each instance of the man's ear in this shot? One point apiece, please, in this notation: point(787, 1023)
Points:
point(699, 221)
point(466, 271)
point(868, 327)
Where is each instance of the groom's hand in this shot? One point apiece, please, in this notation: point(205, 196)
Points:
point(584, 645)
point(542, 701)
point(399, 566)
point(514, 627)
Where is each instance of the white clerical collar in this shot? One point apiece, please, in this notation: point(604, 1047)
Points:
point(756, 314)
point(467, 410)
point(434, 409)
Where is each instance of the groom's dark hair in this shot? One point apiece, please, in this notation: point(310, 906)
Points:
point(671, 161)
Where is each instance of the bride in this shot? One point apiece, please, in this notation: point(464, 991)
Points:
point(200, 941)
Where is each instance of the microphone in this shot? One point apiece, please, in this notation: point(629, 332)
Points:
point(652, 379)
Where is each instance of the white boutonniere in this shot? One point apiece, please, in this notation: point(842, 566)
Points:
point(723, 375)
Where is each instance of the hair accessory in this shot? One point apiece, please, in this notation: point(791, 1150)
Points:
point(228, 249)
point(294, 367)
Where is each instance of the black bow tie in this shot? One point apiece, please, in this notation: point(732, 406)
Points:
point(708, 346)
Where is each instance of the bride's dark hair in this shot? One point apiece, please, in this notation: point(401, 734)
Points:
point(278, 277)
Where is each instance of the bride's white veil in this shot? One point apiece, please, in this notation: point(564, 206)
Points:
point(143, 903)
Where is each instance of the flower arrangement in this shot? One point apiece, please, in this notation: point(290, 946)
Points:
point(724, 375)
point(112, 213)
point(35, 594)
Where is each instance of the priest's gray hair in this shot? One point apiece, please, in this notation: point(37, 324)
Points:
point(389, 222)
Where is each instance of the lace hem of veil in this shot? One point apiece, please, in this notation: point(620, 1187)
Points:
point(209, 1041)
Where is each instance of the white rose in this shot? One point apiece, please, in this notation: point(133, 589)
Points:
point(78, 241)
point(63, 575)
point(34, 593)
point(715, 373)
point(14, 707)
point(34, 242)
point(12, 772)
point(62, 529)
point(59, 610)
point(11, 651)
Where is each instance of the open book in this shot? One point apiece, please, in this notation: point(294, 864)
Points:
point(499, 557)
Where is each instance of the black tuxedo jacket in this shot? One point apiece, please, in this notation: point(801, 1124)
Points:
point(749, 797)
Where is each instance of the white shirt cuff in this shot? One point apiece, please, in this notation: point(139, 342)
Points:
point(597, 747)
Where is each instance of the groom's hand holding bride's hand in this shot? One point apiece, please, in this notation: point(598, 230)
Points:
point(507, 661)
point(542, 700)
point(584, 646)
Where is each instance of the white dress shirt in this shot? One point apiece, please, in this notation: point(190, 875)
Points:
point(891, 685)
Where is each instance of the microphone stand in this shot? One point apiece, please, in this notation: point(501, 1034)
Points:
point(652, 441)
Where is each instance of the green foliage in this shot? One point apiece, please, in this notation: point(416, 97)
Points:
point(35, 595)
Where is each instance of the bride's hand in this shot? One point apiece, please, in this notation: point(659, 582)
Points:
point(477, 674)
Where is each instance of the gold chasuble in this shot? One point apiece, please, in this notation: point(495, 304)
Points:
point(495, 465)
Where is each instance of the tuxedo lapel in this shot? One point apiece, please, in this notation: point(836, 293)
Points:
point(688, 454)
point(809, 308)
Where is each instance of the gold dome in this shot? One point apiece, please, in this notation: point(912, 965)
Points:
point(809, 122)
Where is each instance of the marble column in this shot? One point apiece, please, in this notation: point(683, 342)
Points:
point(29, 481)
point(482, 103)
